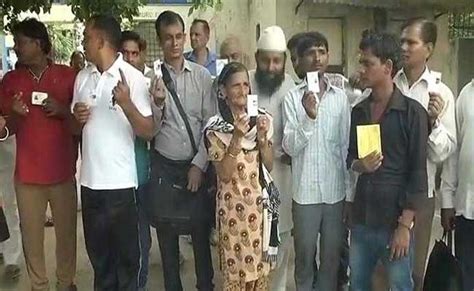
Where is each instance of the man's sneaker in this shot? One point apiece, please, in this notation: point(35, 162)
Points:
point(12, 272)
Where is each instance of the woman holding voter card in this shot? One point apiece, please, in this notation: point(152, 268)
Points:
point(239, 144)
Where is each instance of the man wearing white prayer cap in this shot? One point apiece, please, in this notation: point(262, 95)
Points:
point(271, 84)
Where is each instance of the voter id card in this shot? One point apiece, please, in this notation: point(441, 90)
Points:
point(313, 82)
point(157, 69)
point(38, 98)
point(220, 64)
point(252, 105)
point(434, 83)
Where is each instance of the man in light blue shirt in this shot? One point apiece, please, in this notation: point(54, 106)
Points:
point(316, 136)
point(199, 34)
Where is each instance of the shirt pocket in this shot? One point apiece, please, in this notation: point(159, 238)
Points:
point(330, 126)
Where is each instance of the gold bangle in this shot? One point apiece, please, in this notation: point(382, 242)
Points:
point(7, 135)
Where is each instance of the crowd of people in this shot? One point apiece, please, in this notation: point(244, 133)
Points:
point(180, 147)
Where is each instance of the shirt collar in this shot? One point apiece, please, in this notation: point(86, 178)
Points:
point(186, 67)
point(397, 102)
point(426, 76)
point(211, 57)
point(304, 83)
point(146, 70)
point(113, 70)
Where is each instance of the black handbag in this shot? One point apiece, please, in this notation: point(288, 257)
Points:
point(444, 271)
point(167, 201)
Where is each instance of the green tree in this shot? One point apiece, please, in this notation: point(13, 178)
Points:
point(84, 9)
point(63, 43)
point(204, 4)
point(11, 9)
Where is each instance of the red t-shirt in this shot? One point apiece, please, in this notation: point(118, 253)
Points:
point(46, 151)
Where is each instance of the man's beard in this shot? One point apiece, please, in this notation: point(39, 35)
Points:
point(269, 83)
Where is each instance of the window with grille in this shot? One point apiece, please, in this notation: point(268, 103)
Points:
point(461, 25)
point(146, 29)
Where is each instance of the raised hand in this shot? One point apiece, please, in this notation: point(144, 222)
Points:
point(19, 107)
point(158, 92)
point(121, 92)
point(310, 104)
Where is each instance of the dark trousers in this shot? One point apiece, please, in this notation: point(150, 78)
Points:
point(111, 234)
point(199, 228)
point(168, 240)
point(342, 276)
point(464, 246)
point(145, 239)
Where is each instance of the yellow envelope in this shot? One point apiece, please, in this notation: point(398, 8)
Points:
point(368, 139)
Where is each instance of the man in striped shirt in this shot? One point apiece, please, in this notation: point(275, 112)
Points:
point(316, 136)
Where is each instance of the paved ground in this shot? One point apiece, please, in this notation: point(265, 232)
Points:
point(84, 275)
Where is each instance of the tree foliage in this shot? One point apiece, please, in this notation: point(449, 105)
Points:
point(63, 43)
point(204, 4)
point(122, 9)
point(11, 9)
point(84, 9)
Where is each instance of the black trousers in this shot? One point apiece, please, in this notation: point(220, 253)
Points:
point(464, 247)
point(198, 228)
point(111, 233)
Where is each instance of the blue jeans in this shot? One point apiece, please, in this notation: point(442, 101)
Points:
point(368, 246)
point(145, 239)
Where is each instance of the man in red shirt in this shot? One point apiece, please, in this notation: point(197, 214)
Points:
point(38, 96)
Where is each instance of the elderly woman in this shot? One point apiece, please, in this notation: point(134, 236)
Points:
point(240, 147)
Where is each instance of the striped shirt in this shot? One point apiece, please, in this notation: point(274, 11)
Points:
point(318, 147)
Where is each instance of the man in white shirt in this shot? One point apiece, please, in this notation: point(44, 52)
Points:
point(271, 84)
point(416, 81)
point(111, 102)
point(316, 136)
point(457, 187)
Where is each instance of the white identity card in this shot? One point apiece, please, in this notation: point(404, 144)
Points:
point(157, 69)
point(313, 82)
point(252, 105)
point(434, 84)
point(37, 98)
point(220, 64)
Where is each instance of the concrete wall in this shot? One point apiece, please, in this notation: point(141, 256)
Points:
point(354, 20)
